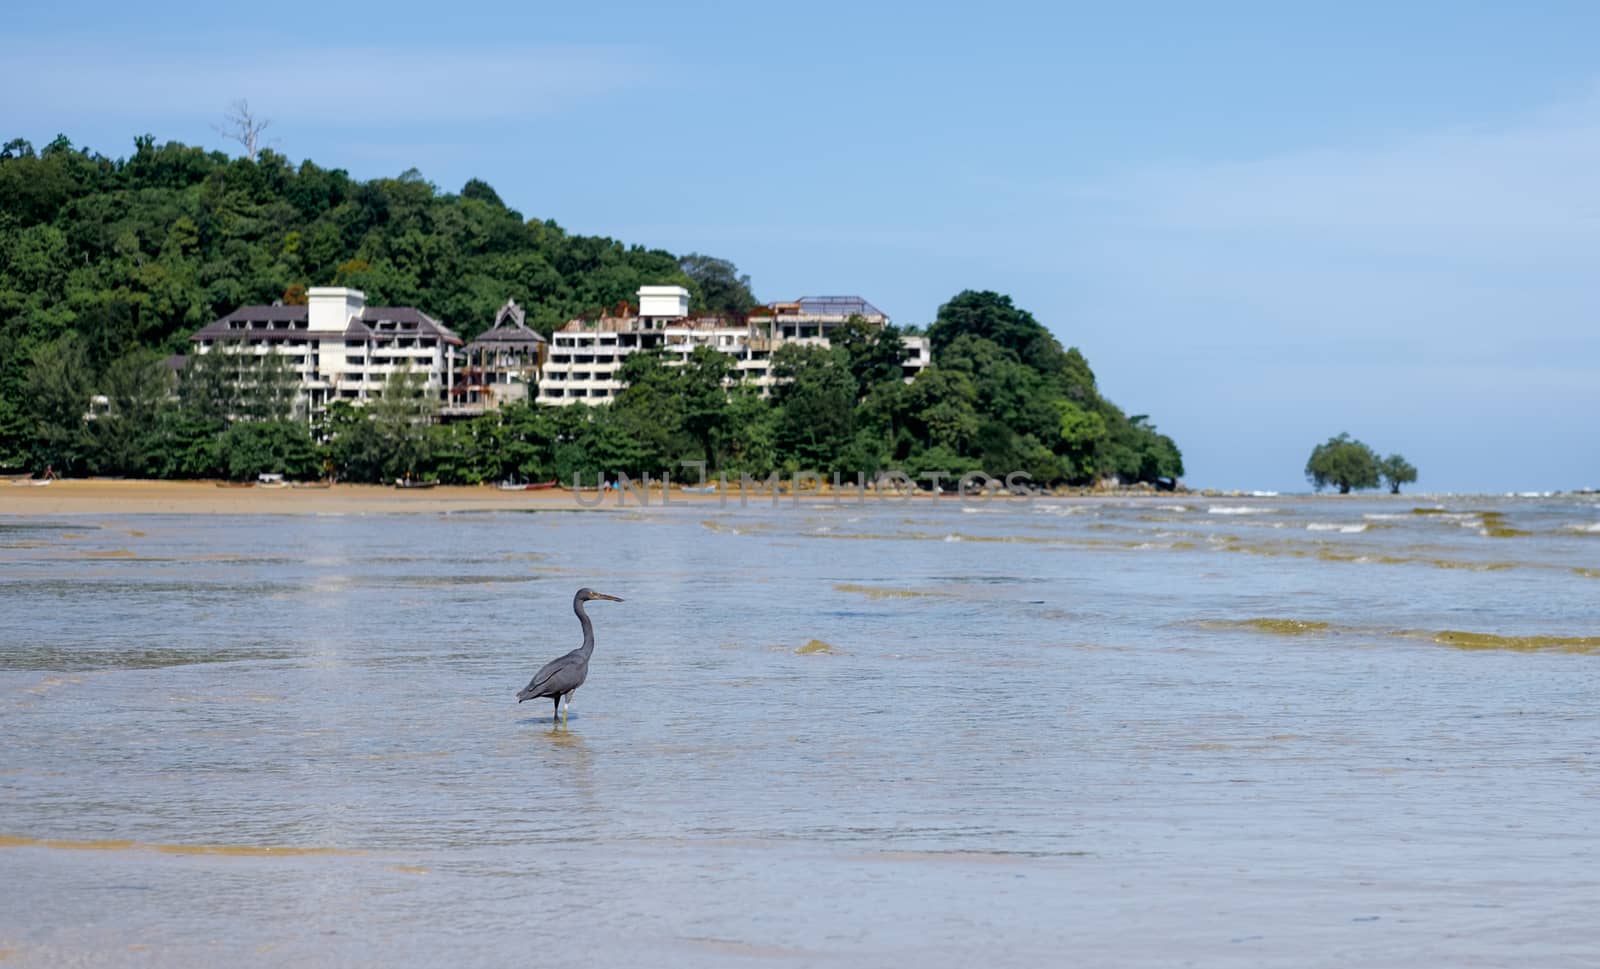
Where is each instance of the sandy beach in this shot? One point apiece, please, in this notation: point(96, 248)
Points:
point(106, 496)
point(126, 497)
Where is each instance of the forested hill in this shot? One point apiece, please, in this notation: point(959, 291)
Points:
point(146, 249)
point(108, 262)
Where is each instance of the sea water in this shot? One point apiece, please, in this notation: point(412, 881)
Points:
point(1148, 732)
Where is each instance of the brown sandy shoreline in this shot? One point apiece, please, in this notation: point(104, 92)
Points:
point(104, 496)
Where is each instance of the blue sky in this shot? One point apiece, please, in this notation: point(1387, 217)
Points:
point(1263, 223)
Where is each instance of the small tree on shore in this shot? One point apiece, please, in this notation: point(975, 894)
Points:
point(1397, 471)
point(1343, 463)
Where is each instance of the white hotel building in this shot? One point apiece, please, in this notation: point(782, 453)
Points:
point(341, 348)
point(586, 355)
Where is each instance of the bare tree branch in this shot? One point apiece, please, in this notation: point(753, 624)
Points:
point(241, 125)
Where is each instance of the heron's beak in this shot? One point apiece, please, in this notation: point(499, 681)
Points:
point(602, 595)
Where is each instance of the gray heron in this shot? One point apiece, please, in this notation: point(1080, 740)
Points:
point(562, 677)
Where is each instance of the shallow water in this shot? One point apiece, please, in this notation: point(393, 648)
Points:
point(1141, 733)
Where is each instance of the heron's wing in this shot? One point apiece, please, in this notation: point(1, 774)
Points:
point(556, 677)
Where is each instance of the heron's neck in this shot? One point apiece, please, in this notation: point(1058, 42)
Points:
point(588, 628)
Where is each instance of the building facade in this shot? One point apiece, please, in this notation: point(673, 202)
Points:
point(339, 347)
point(501, 366)
point(586, 356)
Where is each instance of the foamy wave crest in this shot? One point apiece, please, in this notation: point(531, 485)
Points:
point(1237, 510)
point(1042, 509)
point(1334, 527)
point(1592, 529)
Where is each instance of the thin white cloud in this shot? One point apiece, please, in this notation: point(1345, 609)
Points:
point(1536, 179)
point(329, 85)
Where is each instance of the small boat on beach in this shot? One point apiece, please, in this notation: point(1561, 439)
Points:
point(408, 483)
point(311, 484)
point(697, 490)
point(531, 486)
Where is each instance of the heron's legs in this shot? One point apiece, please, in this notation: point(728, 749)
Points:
point(557, 714)
point(568, 709)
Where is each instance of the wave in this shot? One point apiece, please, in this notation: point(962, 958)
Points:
point(1333, 527)
point(1237, 510)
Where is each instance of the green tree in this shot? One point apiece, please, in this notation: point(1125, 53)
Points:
point(252, 448)
point(650, 410)
point(400, 416)
point(721, 288)
point(125, 438)
point(268, 387)
point(815, 401)
point(209, 386)
point(875, 354)
point(58, 399)
point(1397, 471)
point(1081, 437)
point(704, 398)
point(941, 411)
point(526, 441)
point(1344, 463)
point(355, 444)
point(993, 317)
point(752, 433)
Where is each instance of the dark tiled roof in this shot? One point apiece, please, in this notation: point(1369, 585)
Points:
point(240, 324)
point(509, 334)
point(272, 313)
point(409, 320)
point(221, 331)
point(244, 324)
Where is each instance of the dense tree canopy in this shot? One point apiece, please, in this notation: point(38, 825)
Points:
point(1344, 463)
point(138, 253)
point(1396, 471)
point(107, 266)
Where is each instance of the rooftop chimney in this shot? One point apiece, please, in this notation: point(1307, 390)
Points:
point(669, 302)
point(331, 307)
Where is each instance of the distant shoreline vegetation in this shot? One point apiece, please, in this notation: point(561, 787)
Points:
point(1348, 464)
point(839, 487)
point(107, 266)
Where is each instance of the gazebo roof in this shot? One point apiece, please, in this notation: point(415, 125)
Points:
point(509, 330)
